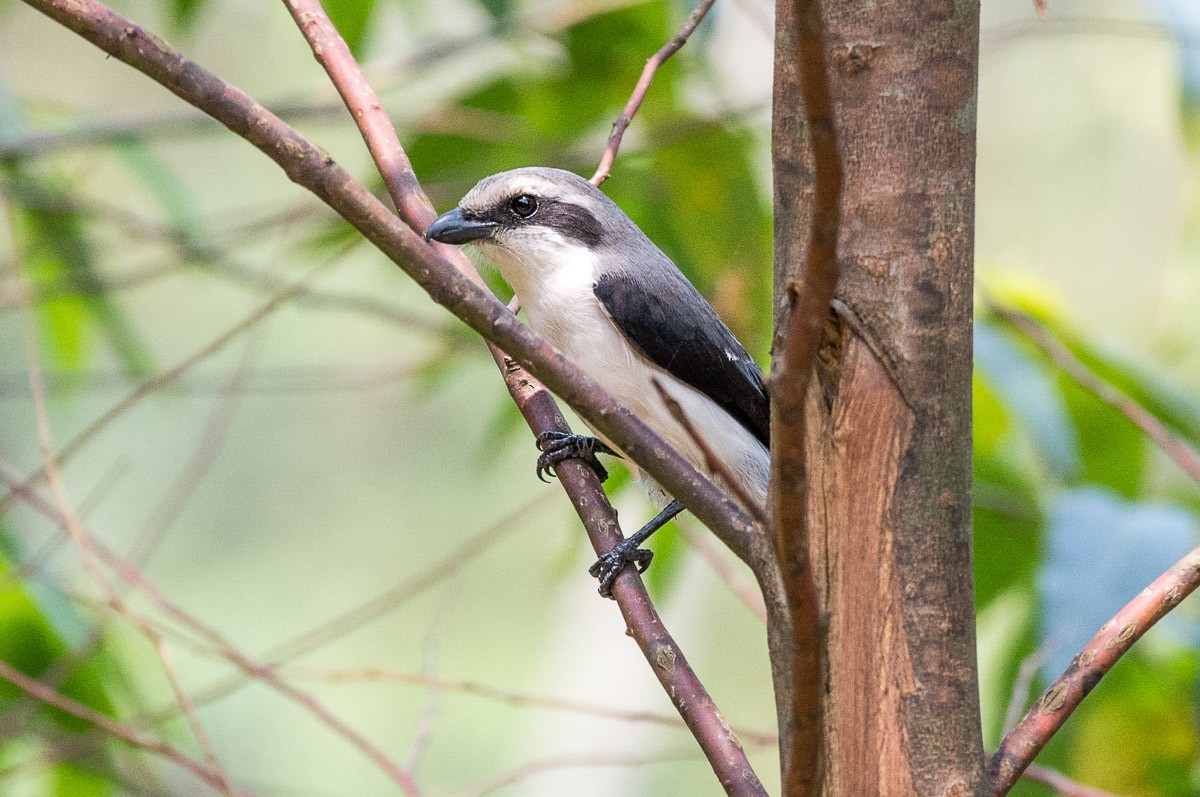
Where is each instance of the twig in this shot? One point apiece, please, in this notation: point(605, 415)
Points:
point(173, 374)
point(1022, 744)
point(553, 763)
point(312, 168)
point(702, 717)
point(791, 373)
point(643, 85)
point(1020, 691)
point(358, 616)
point(1062, 784)
point(1060, 355)
point(518, 699)
point(45, 694)
point(204, 454)
point(711, 461)
point(687, 693)
point(744, 590)
point(133, 576)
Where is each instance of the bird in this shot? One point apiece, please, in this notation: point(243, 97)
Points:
point(594, 285)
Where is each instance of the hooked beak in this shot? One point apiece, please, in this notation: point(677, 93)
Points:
point(454, 228)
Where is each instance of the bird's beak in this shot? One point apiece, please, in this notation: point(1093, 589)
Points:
point(453, 228)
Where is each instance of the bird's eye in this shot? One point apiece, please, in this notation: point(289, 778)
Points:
point(523, 206)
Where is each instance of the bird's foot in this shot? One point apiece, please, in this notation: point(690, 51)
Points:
point(611, 563)
point(557, 446)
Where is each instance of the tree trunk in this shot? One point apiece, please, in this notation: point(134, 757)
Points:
point(887, 479)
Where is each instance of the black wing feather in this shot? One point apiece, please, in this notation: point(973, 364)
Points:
point(677, 330)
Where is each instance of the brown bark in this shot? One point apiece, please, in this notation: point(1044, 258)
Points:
point(887, 471)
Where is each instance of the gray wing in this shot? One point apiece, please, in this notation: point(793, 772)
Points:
point(677, 330)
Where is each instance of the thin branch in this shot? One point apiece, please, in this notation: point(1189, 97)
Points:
point(1064, 786)
point(45, 694)
point(1173, 446)
point(1022, 744)
point(312, 168)
point(358, 616)
point(743, 589)
point(711, 461)
point(1020, 692)
point(693, 702)
point(208, 445)
point(554, 763)
point(76, 443)
point(791, 373)
point(687, 693)
point(136, 578)
point(643, 86)
point(517, 699)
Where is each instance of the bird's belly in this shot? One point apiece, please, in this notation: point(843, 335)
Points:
point(603, 353)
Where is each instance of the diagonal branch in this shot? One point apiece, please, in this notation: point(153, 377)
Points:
point(1062, 785)
point(1022, 744)
point(313, 169)
point(538, 407)
point(1175, 448)
point(39, 691)
point(643, 86)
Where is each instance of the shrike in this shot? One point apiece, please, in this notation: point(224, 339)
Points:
point(596, 287)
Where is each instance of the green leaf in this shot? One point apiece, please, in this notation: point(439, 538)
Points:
point(501, 12)
point(71, 779)
point(59, 255)
point(185, 12)
point(352, 19)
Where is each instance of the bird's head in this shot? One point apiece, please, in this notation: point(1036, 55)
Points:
point(534, 219)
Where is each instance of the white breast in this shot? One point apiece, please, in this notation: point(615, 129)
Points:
point(562, 305)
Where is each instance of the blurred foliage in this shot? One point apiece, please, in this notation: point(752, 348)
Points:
point(42, 635)
point(1074, 510)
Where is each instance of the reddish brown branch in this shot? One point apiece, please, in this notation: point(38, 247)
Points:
point(1064, 786)
point(1175, 448)
point(313, 169)
point(792, 369)
point(691, 699)
point(643, 85)
point(517, 699)
point(39, 691)
point(711, 460)
point(1022, 744)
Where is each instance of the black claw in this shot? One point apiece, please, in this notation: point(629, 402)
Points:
point(611, 563)
point(557, 446)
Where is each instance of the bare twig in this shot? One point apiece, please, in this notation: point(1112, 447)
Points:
point(1020, 691)
point(711, 461)
point(643, 85)
point(1022, 744)
point(1062, 784)
point(743, 589)
point(76, 443)
point(687, 693)
point(791, 372)
point(724, 752)
point(553, 763)
point(45, 694)
point(518, 699)
point(1174, 447)
point(312, 168)
point(133, 576)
